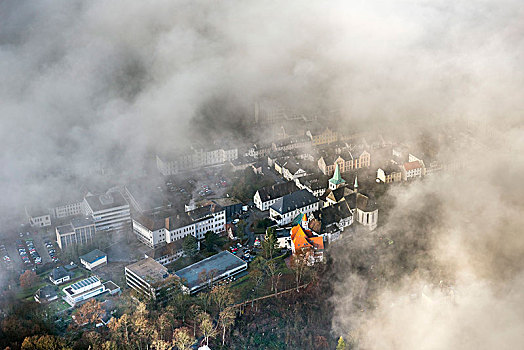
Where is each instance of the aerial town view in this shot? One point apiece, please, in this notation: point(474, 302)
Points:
point(261, 175)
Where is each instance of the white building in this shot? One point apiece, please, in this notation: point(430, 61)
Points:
point(267, 196)
point(93, 259)
point(110, 211)
point(68, 209)
point(81, 230)
point(38, 218)
point(83, 290)
point(194, 158)
point(285, 209)
point(165, 227)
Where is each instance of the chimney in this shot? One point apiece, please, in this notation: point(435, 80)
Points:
point(167, 223)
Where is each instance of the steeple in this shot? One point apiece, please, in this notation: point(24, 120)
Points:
point(336, 181)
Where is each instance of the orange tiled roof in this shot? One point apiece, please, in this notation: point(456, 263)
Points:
point(412, 165)
point(301, 239)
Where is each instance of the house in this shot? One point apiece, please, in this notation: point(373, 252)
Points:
point(150, 278)
point(332, 220)
point(289, 206)
point(314, 183)
point(292, 170)
point(59, 275)
point(46, 294)
point(266, 196)
point(303, 239)
point(83, 290)
point(207, 272)
point(345, 159)
point(110, 211)
point(93, 259)
point(241, 163)
point(412, 170)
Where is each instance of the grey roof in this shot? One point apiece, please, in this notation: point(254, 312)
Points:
point(47, 292)
point(220, 263)
point(65, 229)
point(361, 201)
point(82, 221)
point(93, 256)
point(314, 182)
point(149, 270)
point(106, 201)
point(168, 249)
point(333, 214)
point(204, 212)
point(293, 201)
point(58, 273)
point(277, 190)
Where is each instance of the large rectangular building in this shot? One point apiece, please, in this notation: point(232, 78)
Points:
point(286, 208)
point(81, 230)
point(267, 196)
point(149, 278)
point(110, 211)
point(83, 290)
point(211, 270)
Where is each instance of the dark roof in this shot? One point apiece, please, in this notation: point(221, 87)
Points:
point(46, 292)
point(360, 201)
point(65, 229)
point(314, 182)
point(168, 249)
point(332, 214)
point(204, 212)
point(58, 273)
point(93, 256)
point(338, 194)
point(294, 201)
point(277, 191)
point(106, 201)
point(221, 263)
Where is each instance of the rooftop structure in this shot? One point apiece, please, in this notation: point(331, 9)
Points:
point(83, 290)
point(211, 270)
point(147, 277)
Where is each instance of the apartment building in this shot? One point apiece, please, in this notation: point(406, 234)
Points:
point(345, 159)
point(267, 196)
point(194, 157)
point(322, 136)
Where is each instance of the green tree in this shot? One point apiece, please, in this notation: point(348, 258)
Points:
point(341, 344)
point(211, 239)
point(190, 246)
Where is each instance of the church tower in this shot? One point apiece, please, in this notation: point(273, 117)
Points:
point(336, 181)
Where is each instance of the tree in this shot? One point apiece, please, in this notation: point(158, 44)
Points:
point(89, 312)
point(121, 328)
point(299, 264)
point(241, 230)
point(207, 328)
point(221, 296)
point(182, 339)
point(269, 245)
point(210, 239)
point(226, 319)
point(44, 342)
point(341, 344)
point(190, 246)
point(28, 279)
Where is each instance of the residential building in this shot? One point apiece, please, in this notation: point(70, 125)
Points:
point(346, 161)
point(193, 158)
point(207, 272)
point(412, 170)
point(110, 211)
point(80, 231)
point(46, 294)
point(322, 136)
point(314, 183)
point(332, 220)
point(83, 290)
point(303, 239)
point(150, 278)
point(389, 174)
point(286, 208)
point(267, 196)
point(59, 275)
point(93, 259)
point(292, 170)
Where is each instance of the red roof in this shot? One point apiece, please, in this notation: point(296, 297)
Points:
point(412, 165)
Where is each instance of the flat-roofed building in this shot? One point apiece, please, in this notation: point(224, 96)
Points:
point(83, 290)
point(110, 211)
point(81, 230)
point(150, 278)
point(211, 270)
point(93, 259)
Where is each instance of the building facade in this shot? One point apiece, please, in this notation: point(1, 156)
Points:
point(148, 277)
point(345, 160)
point(83, 290)
point(80, 231)
point(110, 211)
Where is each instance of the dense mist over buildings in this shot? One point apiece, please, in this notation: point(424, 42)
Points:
point(104, 84)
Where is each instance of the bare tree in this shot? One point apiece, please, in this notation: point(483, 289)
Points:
point(221, 296)
point(226, 320)
point(207, 328)
point(182, 339)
